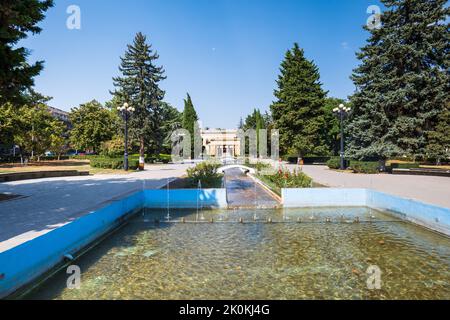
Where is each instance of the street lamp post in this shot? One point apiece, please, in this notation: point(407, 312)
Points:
point(125, 111)
point(342, 112)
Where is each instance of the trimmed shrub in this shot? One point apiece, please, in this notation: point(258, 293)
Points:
point(314, 160)
point(113, 163)
point(52, 158)
point(334, 163)
point(291, 159)
point(259, 166)
point(369, 167)
point(206, 172)
point(286, 179)
point(407, 165)
point(164, 158)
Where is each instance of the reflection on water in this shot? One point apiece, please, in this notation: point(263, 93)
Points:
point(314, 259)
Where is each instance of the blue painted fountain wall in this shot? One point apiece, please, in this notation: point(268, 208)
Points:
point(189, 198)
point(427, 215)
point(22, 264)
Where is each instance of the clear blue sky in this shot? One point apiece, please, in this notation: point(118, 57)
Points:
point(225, 53)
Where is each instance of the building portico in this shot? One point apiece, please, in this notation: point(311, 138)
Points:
point(220, 143)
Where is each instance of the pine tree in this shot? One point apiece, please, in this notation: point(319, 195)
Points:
point(438, 147)
point(190, 119)
point(298, 113)
point(139, 86)
point(402, 82)
point(18, 19)
point(331, 130)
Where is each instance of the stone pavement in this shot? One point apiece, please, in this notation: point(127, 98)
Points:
point(432, 190)
point(244, 192)
point(50, 203)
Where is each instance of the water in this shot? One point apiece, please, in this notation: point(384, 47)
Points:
point(314, 259)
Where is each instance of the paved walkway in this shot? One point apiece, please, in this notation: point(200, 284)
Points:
point(52, 202)
point(432, 190)
point(243, 192)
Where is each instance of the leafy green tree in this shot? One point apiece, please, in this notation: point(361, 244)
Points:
point(139, 86)
point(172, 120)
point(402, 81)
point(37, 130)
point(9, 119)
point(92, 125)
point(190, 119)
point(18, 18)
point(297, 113)
point(58, 141)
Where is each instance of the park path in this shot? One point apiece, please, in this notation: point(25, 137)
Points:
point(53, 202)
point(243, 192)
point(432, 190)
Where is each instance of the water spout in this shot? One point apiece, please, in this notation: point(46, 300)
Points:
point(199, 202)
point(168, 200)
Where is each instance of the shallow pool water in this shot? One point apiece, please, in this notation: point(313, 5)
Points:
point(302, 254)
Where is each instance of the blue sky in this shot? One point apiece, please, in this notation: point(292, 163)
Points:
point(225, 53)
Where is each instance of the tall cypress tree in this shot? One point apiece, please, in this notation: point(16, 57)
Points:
point(139, 86)
point(298, 112)
point(190, 119)
point(17, 19)
point(402, 82)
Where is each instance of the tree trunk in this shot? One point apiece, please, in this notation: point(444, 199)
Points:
point(141, 153)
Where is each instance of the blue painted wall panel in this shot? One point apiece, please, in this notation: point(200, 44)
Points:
point(323, 197)
point(186, 198)
point(27, 261)
point(430, 216)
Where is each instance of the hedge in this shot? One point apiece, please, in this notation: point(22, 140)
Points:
point(334, 163)
point(113, 163)
point(365, 166)
point(307, 160)
point(51, 158)
point(407, 165)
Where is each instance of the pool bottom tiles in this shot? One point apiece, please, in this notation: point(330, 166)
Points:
point(302, 254)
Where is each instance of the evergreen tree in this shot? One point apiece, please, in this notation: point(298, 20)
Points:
point(298, 113)
point(190, 119)
point(331, 130)
point(438, 147)
point(18, 18)
point(255, 121)
point(402, 82)
point(139, 86)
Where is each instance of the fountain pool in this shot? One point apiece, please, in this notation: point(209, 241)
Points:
point(320, 253)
